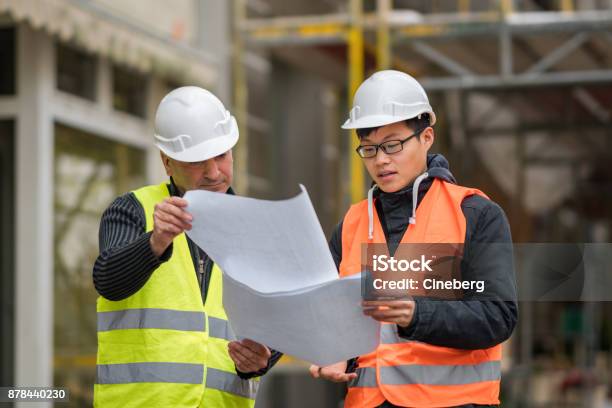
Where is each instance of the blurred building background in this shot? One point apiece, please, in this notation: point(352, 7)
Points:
point(522, 90)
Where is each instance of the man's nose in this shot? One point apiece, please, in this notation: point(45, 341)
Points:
point(211, 169)
point(381, 157)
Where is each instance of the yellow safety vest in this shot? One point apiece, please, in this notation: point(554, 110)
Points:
point(161, 347)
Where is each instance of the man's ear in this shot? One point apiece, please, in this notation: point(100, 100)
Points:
point(166, 162)
point(428, 137)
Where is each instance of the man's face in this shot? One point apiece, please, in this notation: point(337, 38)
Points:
point(214, 174)
point(393, 172)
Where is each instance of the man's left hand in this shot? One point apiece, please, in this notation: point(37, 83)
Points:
point(249, 356)
point(399, 312)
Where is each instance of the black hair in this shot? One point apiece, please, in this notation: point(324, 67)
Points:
point(417, 123)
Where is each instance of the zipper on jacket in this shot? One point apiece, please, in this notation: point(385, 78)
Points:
point(202, 266)
point(206, 268)
point(200, 272)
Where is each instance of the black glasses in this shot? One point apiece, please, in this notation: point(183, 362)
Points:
point(389, 147)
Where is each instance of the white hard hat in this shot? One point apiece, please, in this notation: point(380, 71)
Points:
point(388, 97)
point(192, 125)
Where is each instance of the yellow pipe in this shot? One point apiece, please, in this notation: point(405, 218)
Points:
point(84, 360)
point(303, 31)
point(464, 6)
point(311, 30)
point(396, 62)
point(355, 51)
point(507, 6)
point(423, 30)
point(355, 66)
point(383, 42)
point(240, 102)
point(567, 6)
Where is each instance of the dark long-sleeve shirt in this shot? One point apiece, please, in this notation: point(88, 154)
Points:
point(126, 259)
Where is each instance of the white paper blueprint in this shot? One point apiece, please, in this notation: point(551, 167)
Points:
point(280, 284)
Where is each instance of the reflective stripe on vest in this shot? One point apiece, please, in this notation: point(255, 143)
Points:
point(366, 377)
point(428, 374)
point(176, 373)
point(414, 373)
point(151, 319)
point(440, 374)
point(228, 382)
point(183, 373)
point(220, 329)
point(164, 319)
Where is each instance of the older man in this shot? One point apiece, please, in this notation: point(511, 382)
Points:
point(163, 336)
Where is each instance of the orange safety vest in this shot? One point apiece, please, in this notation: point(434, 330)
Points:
point(410, 373)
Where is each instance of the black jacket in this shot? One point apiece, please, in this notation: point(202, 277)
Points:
point(480, 320)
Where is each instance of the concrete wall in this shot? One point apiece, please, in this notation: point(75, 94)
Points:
point(177, 19)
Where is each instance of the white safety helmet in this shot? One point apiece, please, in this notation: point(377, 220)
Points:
point(192, 125)
point(387, 97)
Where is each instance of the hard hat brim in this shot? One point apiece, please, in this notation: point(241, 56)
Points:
point(205, 150)
point(381, 120)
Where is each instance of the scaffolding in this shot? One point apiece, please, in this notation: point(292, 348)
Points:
point(509, 51)
point(544, 40)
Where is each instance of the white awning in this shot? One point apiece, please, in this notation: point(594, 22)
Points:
point(106, 35)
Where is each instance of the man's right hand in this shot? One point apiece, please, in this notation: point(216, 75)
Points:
point(169, 219)
point(335, 372)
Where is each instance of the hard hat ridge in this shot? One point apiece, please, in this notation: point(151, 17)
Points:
point(387, 97)
point(191, 125)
